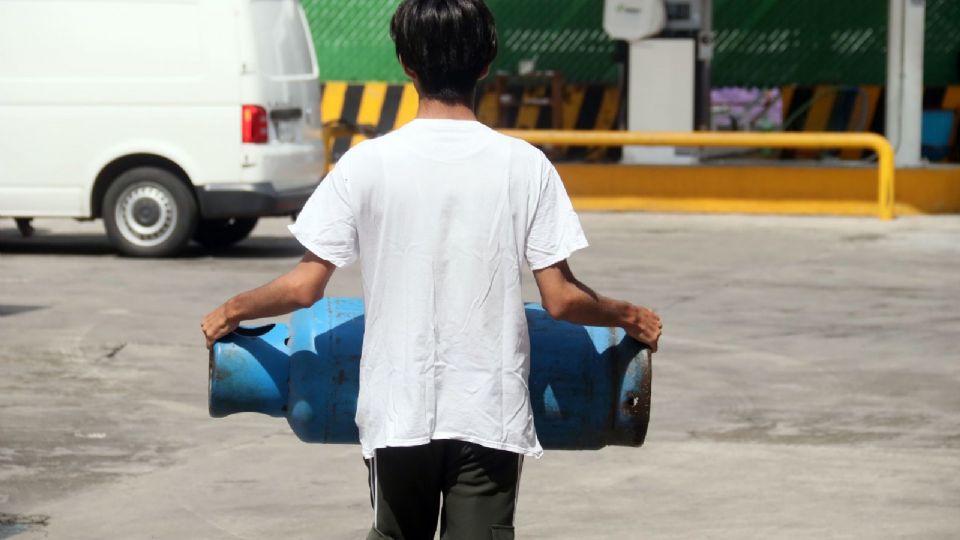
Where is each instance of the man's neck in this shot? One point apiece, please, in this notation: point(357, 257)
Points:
point(435, 109)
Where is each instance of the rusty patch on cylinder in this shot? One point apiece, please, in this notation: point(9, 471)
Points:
point(217, 371)
point(635, 405)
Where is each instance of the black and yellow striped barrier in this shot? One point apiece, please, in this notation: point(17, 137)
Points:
point(853, 109)
point(383, 107)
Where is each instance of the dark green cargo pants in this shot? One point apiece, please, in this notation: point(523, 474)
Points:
point(472, 489)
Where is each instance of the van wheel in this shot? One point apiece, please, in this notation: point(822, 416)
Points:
point(149, 212)
point(221, 233)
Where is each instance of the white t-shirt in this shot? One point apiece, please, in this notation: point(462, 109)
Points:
point(443, 214)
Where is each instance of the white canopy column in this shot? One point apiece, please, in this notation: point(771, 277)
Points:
point(904, 113)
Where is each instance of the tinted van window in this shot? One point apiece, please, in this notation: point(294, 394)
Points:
point(283, 47)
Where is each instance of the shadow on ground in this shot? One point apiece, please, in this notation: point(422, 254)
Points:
point(45, 243)
point(13, 524)
point(7, 309)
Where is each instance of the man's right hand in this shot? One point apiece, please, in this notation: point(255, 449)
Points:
point(644, 325)
point(298, 288)
point(217, 324)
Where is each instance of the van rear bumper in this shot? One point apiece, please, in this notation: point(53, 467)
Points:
point(250, 200)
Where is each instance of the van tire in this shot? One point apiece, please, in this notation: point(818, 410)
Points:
point(221, 233)
point(149, 212)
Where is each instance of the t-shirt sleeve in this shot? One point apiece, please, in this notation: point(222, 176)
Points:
point(554, 232)
point(326, 224)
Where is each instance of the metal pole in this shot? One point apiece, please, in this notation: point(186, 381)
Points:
point(904, 113)
point(705, 57)
point(894, 63)
point(911, 108)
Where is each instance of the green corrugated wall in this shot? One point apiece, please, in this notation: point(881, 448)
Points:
point(759, 42)
point(353, 40)
point(808, 42)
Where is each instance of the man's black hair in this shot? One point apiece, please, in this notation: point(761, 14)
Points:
point(447, 43)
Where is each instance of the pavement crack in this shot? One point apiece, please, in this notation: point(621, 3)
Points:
point(211, 522)
point(19, 519)
point(115, 350)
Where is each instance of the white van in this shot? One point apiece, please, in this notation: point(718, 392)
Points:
point(170, 119)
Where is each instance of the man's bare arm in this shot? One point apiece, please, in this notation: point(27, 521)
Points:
point(298, 288)
point(566, 298)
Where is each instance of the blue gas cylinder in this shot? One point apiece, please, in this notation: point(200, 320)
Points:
point(589, 386)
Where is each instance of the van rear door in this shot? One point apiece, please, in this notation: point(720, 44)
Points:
point(287, 86)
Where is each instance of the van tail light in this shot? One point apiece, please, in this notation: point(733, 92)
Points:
point(255, 124)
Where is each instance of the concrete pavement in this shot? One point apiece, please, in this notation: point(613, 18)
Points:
point(807, 387)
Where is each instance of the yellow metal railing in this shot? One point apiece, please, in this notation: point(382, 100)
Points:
point(805, 140)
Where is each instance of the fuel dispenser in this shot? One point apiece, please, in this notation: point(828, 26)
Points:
point(666, 69)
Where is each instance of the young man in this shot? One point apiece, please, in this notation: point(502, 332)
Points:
point(443, 214)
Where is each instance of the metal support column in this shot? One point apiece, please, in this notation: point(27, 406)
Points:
point(705, 40)
point(905, 78)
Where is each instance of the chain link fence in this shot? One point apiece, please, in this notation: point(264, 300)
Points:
point(759, 42)
point(353, 41)
point(808, 42)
